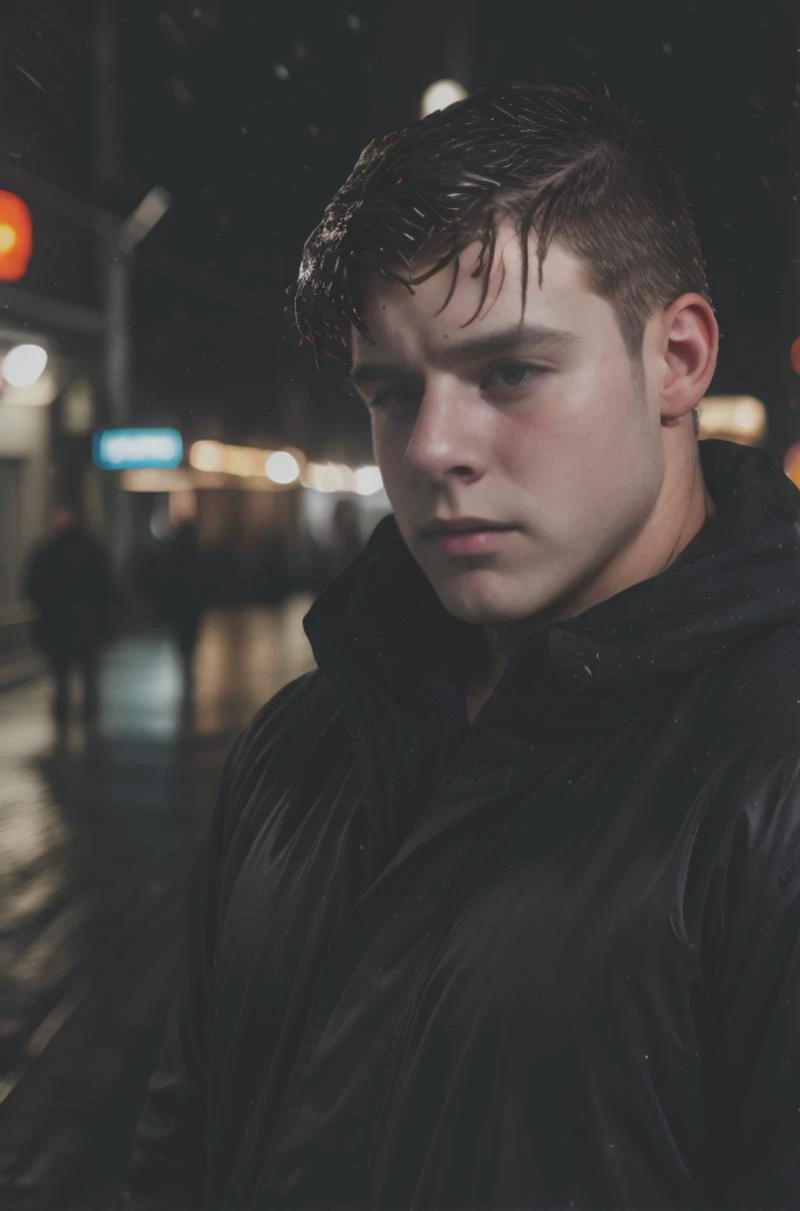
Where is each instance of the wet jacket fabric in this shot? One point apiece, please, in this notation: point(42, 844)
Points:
point(546, 960)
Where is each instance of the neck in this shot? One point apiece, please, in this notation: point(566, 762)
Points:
point(655, 548)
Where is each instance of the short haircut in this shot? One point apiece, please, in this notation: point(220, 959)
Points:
point(558, 161)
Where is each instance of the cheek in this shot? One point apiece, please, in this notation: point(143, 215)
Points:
point(590, 415)
point(389, 455)
point(382, 451)
point(579, 444)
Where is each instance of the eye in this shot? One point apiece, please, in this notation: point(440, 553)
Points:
point(512, 375)
point(395, 393)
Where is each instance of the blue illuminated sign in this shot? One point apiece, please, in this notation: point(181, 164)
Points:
point(126, 449)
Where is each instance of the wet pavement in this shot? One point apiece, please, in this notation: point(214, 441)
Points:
point(97, 832)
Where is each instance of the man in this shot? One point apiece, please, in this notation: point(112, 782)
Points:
point(500, 906)
point(176, 582)
point(71, 586)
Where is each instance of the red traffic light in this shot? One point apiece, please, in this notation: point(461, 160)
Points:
point(16, 237)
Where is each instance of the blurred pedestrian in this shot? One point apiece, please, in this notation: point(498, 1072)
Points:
point(269, 575)
point(500, 905)
point(70, 583)
point(177, 584)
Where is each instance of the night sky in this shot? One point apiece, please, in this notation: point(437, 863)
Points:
point(251, 115)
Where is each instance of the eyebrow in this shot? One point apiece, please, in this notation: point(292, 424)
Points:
point(506, 340)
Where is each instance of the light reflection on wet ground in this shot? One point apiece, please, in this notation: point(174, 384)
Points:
point(97, 830)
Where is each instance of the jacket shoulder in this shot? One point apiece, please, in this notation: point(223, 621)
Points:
point(764, 691)
point(298, 737)
point(289, 719)
point(757, 721)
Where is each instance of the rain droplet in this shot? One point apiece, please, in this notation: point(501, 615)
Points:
point(32, 79)
point(581, 49)
point(281, 71)
point(172, 31)
point(180, 92)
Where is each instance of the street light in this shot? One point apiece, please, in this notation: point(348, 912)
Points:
point(24, 365)
point(122, 242)
point(440, 95)
point(282, 467)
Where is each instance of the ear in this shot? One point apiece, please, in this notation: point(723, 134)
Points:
point(690, 342)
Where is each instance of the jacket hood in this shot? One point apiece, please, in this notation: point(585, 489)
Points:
point(738, 579)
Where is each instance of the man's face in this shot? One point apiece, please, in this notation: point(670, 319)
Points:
point(551, 434)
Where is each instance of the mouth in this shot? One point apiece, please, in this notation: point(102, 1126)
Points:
point(476, 540)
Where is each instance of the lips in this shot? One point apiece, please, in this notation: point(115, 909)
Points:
point(483, 541)
point(435, 530)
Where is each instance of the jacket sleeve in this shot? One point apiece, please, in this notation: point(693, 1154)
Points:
point(167, 1169)
point(754, 1076)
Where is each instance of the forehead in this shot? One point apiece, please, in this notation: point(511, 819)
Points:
point(410, 323)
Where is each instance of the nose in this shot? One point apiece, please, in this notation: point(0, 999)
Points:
point(448, 437)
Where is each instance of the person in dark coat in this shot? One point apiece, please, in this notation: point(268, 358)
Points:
point(177, 584)
point(500, 904)
point(69, 581)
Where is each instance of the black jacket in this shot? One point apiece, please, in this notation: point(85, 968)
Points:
point(547, 960)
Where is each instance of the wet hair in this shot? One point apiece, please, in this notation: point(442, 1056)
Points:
point(557, 161)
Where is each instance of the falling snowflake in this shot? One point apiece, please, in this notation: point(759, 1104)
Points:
point(281, 71)
point(354, 22)
point(666, 48)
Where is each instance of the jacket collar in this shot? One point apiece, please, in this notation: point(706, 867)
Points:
point(381, 622)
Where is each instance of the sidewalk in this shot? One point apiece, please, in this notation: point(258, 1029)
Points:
point(19, 671)
point(97, 832)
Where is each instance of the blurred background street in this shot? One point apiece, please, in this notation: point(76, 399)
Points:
point(179, 479)
point(97, 830)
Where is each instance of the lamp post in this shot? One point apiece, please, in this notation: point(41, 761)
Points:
point(121, 243)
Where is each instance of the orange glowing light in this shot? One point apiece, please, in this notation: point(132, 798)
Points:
point(791, 463)
point(16, 237)
point(8, 238)
point(795, 355)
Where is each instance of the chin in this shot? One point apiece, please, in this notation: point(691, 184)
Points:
point(489, 599)
point(479, 608)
